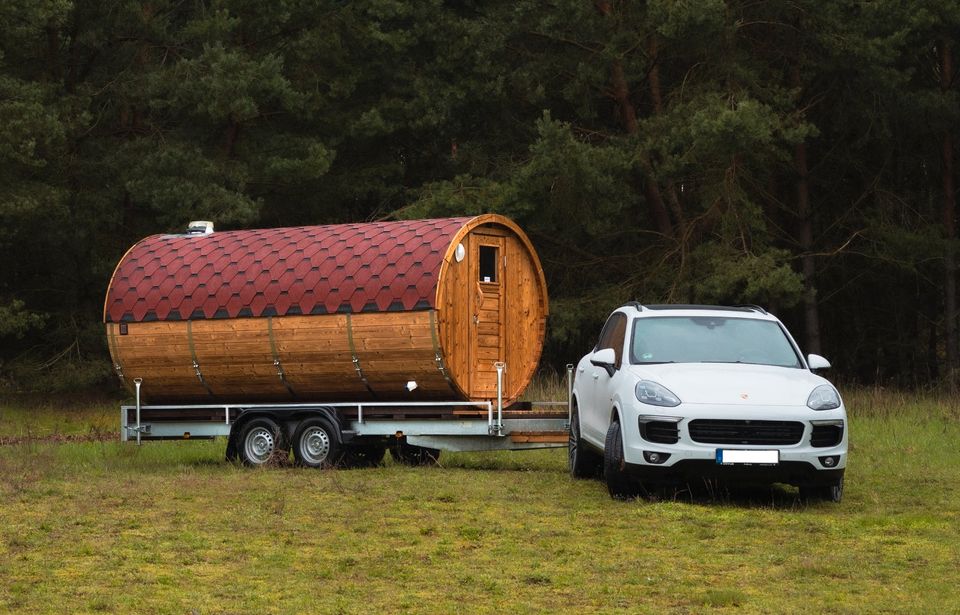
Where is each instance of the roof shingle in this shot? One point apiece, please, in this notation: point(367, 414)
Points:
point(377, 266)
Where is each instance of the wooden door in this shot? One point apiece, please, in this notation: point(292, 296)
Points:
point(487, 301)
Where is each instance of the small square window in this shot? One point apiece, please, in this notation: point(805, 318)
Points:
point(488, 264)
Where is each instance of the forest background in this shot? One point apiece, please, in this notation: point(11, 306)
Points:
point(794, 154)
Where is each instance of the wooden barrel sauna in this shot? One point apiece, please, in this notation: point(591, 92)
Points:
point(326, 313)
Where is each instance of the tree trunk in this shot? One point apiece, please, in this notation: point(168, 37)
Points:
point(628, 116)
point(808, 264)
point(949, 225)
point(811, 312)
point(230, 136)
point(621, 94)
point(656, 96)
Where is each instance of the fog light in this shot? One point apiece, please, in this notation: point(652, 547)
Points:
point(829, 461)
point(655, 458)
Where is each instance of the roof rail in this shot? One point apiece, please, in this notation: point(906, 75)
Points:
point(752, 307)
point(689, 306)
point(635, 304)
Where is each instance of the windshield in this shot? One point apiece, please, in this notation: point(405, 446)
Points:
point(710, 339)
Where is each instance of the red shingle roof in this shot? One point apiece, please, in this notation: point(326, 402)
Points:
point(372, 267)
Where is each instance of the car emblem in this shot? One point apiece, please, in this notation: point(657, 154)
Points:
point(744, 396)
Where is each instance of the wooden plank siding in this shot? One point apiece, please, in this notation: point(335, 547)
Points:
point(237, 363)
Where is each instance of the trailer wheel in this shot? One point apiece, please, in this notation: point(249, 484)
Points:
point(315, 444)
point(259, 441)
point(232, 454)
point(411, 455)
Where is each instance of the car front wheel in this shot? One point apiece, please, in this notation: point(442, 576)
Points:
point(620, 485)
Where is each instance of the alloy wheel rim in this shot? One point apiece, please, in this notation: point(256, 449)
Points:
point(574, 436)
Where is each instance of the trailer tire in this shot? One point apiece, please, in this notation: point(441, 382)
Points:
point(232, 453)
point(316, 444)
point(259, 442)
point(410, 455)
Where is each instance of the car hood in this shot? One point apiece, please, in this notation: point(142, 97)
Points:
point(733, 383)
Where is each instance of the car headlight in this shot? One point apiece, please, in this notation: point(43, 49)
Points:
point(824, 397)
point(650, 392)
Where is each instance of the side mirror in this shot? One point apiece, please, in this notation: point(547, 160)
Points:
point(605, 358)
point(816, 362)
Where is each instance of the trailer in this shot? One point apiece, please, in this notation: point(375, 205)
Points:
point(354, 434)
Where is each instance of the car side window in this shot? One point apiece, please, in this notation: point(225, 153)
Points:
point(613, 335)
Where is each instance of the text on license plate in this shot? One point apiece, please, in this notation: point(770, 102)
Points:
point(732, 457)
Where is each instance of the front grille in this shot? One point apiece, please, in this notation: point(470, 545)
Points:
point(661, 432)
point(723, 431)
point(826, 435)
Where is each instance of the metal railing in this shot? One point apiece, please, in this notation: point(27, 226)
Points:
point(495, 424)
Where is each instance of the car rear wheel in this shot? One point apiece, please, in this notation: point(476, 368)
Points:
point(584, 463)
point(620, 485)
point(830, 492)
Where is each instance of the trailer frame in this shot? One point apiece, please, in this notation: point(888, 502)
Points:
point(535, 425)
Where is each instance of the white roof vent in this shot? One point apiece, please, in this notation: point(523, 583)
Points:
point(200, 227)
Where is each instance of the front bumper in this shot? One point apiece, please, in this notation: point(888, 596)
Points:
point(798, 473)
point(800, 462)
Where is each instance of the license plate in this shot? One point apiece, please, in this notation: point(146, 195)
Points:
point(730, 457)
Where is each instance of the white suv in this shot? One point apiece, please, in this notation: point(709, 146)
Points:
point(673, 392)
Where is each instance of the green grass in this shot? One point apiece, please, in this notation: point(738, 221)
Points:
point(96, 526)
point(33, 418)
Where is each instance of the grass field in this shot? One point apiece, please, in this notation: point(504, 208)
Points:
point(90, 525)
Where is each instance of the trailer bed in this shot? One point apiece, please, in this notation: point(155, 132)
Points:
point(363, 428)
point(451, 426)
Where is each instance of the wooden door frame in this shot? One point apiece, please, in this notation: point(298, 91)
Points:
point(498, 241)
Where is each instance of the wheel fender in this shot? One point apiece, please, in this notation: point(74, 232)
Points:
point(237, 426)
point(615, 415)
point(288, 422)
